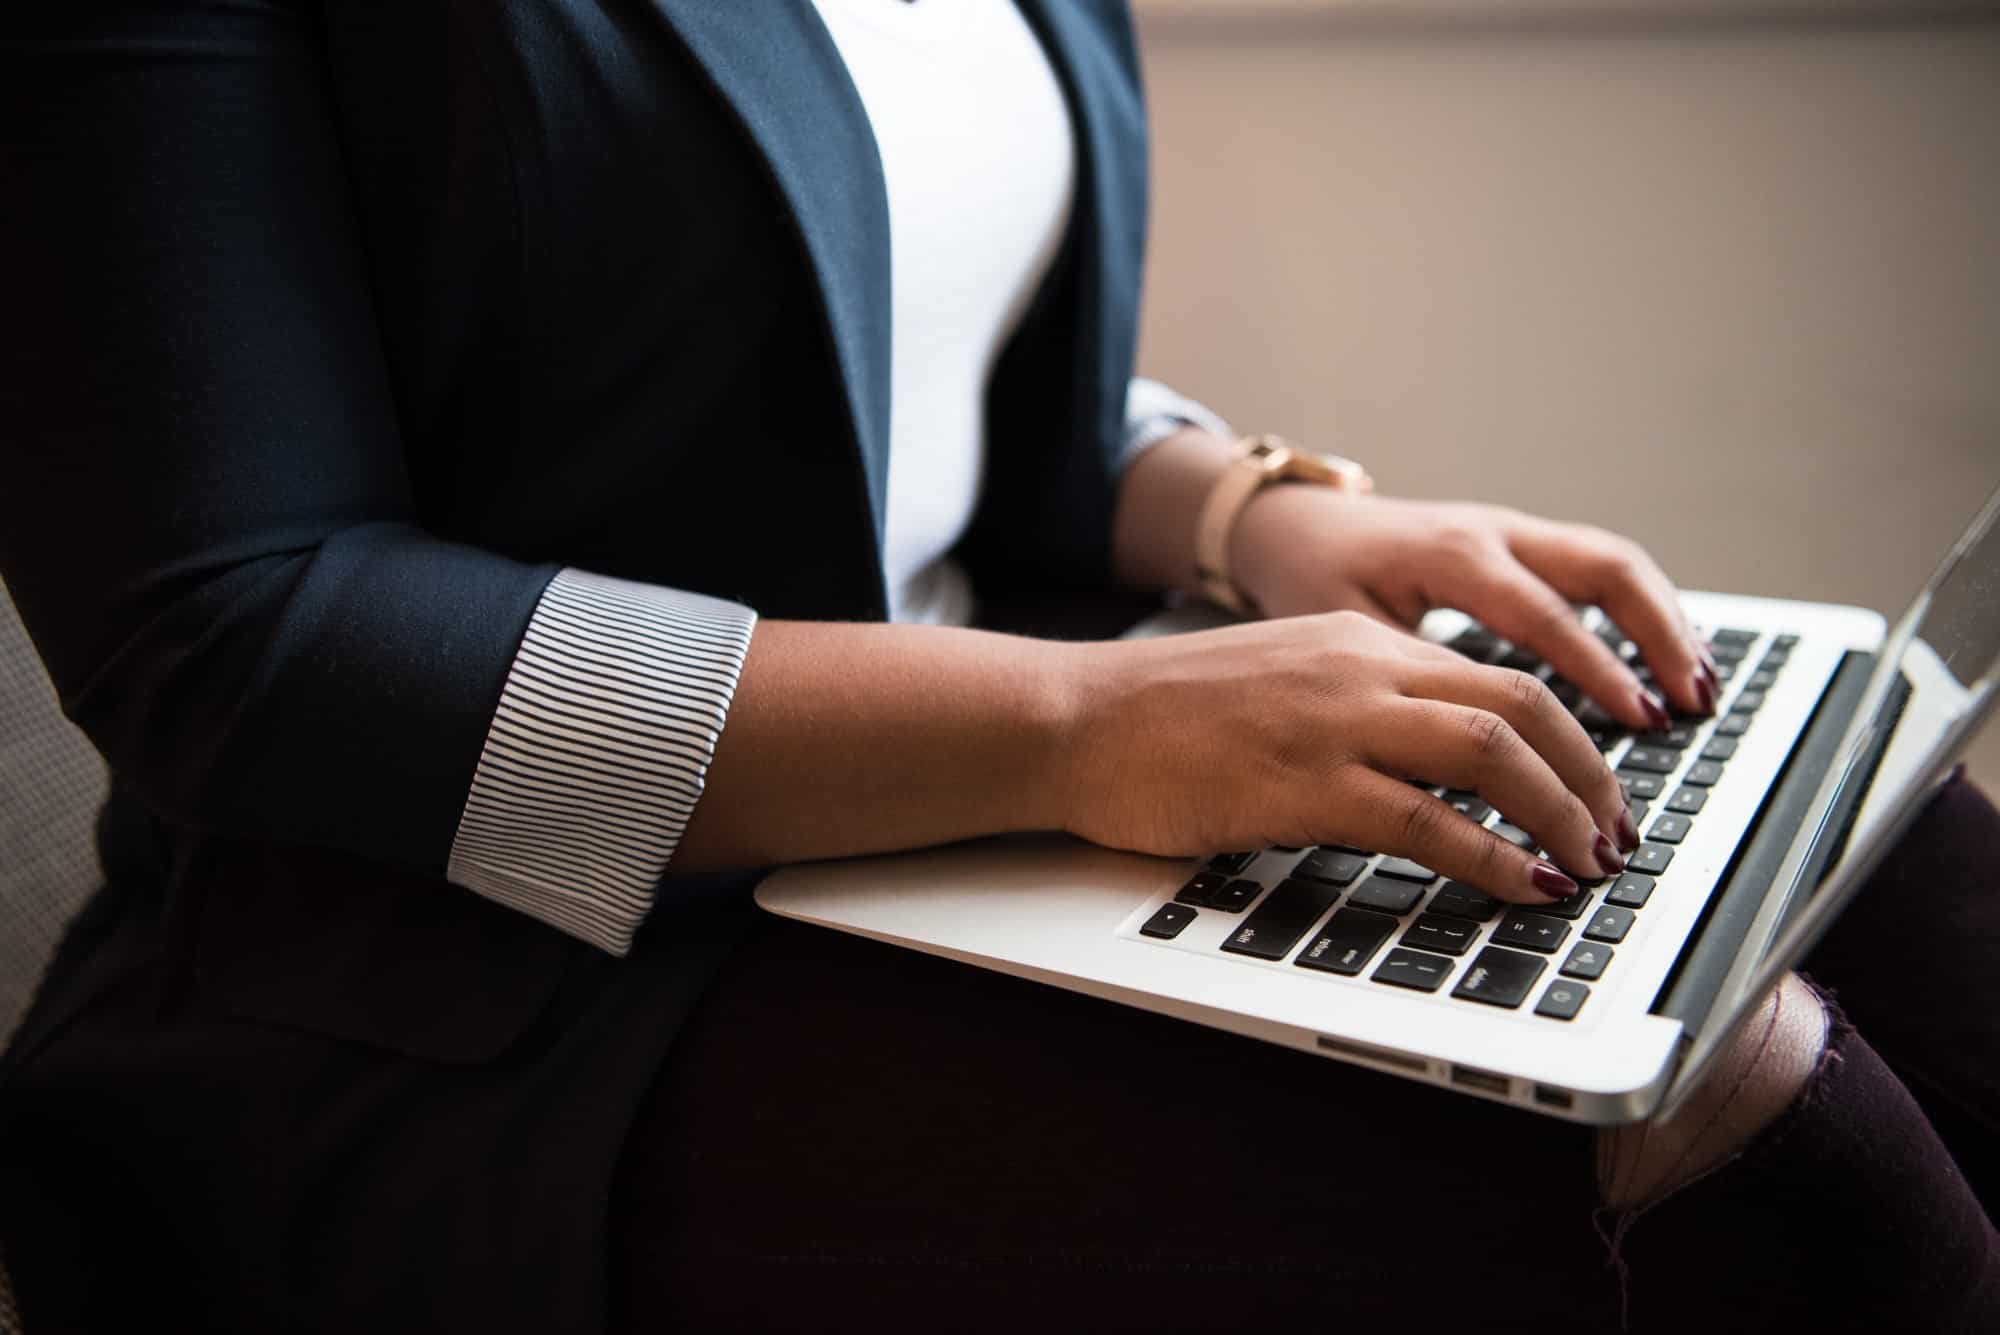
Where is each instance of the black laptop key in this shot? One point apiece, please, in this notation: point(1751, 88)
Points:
point(1593, 715)
point(1468, 805)
point(1230, 863)
point(1405, 870)
point(1283, 917)
point(1531, 931)
point(1201, 889)
point(1477, 643)
point(1688, 801)
point(1677, 738)
point(1447, 936)
point(1652, 859)
point(1500, 977)
point(1732, 725)
point(1331, 865)
point(1670, 828)
point(1651, 760)
point(1462, 901)
point(1609, 923)
point(1587, 960)
point(1719, 749)
point(1413, 968)
point(1703, 773)
point(1638, 809)
point(1562, 1000)
point(1725, 672)
point(1347, 942)
point(1741, 638)
point(1785, 642)
point(1747, 702)
point(1235, 896)
point(1514, 835)
point(1570, 909)
point(1567, 693)
point(1630, 891)
point(1776, 659)
point(1763, 679)
point(1169, 922)
point(1519, 660)
point(1639, 784)
point(1379, 892)
point(1605, 737)
point(1729, 653)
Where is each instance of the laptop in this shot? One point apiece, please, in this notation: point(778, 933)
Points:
point(1759, 825)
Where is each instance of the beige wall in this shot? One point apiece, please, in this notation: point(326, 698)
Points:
point(1735, 289)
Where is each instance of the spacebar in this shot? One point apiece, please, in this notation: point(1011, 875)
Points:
point(1281, 919)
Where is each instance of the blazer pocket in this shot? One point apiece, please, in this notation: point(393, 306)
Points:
point(365, 951)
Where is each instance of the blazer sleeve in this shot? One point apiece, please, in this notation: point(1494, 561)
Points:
point(206, 519)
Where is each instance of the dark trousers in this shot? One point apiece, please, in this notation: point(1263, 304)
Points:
point(851, 1136)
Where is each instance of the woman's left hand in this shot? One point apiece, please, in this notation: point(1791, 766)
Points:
point(1299, 549)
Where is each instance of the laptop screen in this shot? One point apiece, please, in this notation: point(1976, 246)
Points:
point(1946, 650)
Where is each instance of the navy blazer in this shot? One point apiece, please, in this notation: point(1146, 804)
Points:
point(333, 331)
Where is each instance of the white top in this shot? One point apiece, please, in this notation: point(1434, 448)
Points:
point(980, 164)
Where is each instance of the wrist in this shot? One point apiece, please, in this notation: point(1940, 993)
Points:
point(1056, 723)
point(1269, 547)
point(1160, 500)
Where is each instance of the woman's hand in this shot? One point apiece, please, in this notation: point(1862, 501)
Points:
point(1306, 730)
point(1298, 549)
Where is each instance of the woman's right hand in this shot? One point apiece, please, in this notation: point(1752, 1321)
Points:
point(1307, 730)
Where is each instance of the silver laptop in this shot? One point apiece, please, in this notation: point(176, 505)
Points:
point(1760, 824)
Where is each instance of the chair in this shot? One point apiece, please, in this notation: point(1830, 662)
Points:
point(51, 784)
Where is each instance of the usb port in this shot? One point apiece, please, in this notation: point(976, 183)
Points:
point(1484, 1081)
point(1552, 1097)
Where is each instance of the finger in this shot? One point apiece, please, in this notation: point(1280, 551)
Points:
point(1516, 603)
point(1533, 711)
point(1368, 605)
point(1589, 565)
point(1382, 813)
point(1479, 750)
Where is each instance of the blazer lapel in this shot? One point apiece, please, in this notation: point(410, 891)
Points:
point(778, 68)
point(780, 72)
point(1092, 47)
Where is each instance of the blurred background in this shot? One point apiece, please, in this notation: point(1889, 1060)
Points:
point(1723, 276)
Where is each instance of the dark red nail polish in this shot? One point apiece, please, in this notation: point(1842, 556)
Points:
point(1628, 830)
point(1550, 881)
point(1607, 857)
point(1654, 709)
point(1706, 690)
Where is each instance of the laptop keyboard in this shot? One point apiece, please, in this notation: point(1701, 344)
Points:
point(1350, 912)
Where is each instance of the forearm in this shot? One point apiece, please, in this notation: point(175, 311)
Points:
point(1159, 505)
point(846, 739)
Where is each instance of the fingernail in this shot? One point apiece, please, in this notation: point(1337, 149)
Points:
point(1705, 690)
point(1608, 859)
point(1550, 881)
point(1628, 830)
point(1654, 709)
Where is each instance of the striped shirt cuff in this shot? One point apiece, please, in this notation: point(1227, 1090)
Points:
point(598, 752)
point(1153, 412)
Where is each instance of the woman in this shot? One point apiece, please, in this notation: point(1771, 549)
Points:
point(463, 460)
